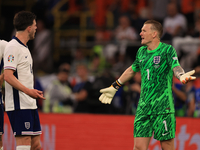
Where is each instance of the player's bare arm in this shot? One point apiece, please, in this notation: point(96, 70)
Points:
point(12, 80)
point(127, 75)
point(182, 76)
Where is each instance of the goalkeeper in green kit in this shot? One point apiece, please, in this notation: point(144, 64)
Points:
point(157, 62)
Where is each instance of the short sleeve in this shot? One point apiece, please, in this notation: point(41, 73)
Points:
point(172, 57)
point(135, 65)
point(11, 57)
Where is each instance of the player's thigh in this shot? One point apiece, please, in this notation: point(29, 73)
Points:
point(141, 143)
point(167, 144)
point(164, 127)
point(143, 126)
point(23, 140)
point(35, 142)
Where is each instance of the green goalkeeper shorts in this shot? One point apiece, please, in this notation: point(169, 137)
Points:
point(163, 126)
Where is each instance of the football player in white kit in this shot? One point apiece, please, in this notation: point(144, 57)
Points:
point(2, 48)
point(20, 96)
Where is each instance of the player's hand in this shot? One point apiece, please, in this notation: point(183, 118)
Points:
point(187, 77)
point(107, 94)
point(40, 95)
point(34, 93)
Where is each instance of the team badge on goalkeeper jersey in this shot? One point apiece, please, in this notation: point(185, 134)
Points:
point(156, 59)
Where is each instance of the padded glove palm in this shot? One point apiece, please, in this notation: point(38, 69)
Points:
point(107, 94)
point(187, 77)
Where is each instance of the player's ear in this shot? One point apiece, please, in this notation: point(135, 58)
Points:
point(29, 28)
point(155, 33)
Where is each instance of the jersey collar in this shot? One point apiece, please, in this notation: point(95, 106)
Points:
point(152, 51)
point(14, 37)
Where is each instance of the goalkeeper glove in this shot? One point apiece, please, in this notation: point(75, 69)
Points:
point(187, 77)
point(108, 93)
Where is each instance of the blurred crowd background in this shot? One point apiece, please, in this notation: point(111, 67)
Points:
point(82, 46)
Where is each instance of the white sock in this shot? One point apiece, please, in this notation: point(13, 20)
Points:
point(1, 148)
point(23, 147)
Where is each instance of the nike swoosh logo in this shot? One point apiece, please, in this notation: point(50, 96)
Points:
point(165, 134)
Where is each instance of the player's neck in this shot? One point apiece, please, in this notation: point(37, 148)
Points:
point(22, 37)
point(153, 45)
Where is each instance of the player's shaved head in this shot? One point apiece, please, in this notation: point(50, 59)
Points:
point(155, 25)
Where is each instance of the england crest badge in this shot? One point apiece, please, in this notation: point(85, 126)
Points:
point(27, 125)
point(156, 59)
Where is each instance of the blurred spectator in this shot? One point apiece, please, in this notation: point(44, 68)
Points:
point(98, 60)
point(42, 52)
point(184, 98)
point(175, 23)
point(188, 9)
point(197, 9)
point(134, 94)
point(38, 86)
point(124, 34)
point(82, 90)
point(115, 53)
point(180, 97)
point(135, 16)
point(78, 58)
point(191, 99)
point(101, 81)
point(116, 8)
point(195, 31)
point(58, 92)
point(96, 65)
point(158, 9)
point(197, 35)
point(86, 92)
point(196, 101)
point(188, 48)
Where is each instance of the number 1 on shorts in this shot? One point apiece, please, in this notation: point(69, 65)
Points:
point(165, 123)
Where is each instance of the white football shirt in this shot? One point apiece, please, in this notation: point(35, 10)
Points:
point(2, 48)
point(17, 57)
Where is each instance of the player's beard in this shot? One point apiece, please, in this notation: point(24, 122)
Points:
point(32, 35)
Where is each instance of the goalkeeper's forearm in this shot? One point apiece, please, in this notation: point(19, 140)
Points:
point(178, 71)
point(127, 75)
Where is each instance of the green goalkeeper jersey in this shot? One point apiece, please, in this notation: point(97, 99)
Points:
point(156, 67)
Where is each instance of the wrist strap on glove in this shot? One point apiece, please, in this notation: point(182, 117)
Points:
point(116, 84)
point(180, 74)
